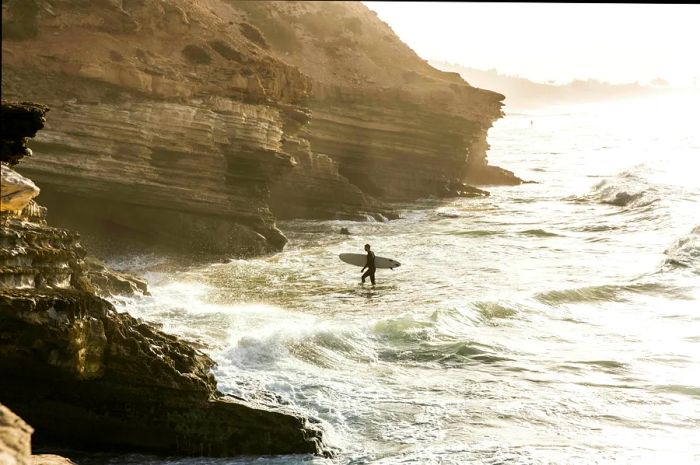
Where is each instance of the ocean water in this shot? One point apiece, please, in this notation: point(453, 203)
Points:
point(551, 323)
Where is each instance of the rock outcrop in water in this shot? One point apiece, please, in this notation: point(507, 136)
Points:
point(86, 376)
point(192, 125)
point(19, 122)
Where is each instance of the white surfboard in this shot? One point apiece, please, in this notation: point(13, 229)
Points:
point(360, 259)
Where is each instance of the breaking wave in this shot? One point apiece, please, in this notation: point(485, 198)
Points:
point(627, 189)
point(685, 252)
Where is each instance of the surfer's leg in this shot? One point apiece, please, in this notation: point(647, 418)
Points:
point(364, 276)
point(371, 276)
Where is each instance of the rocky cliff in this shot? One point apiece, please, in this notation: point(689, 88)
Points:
point(396, 127)
point(88, 377)
point(85, 376)
point(193, 124)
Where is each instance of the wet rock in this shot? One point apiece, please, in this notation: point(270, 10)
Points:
point(36, 256)
point(458, 189)
point(107, 282)
point(86, 376)
point(492, 175)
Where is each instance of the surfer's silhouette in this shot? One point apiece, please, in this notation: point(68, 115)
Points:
point(371, 267)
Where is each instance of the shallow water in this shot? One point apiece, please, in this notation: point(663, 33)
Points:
point(555, 322)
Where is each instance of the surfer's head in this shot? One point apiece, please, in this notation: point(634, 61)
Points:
point(367, 247)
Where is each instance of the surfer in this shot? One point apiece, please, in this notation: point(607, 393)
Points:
point(371, 268)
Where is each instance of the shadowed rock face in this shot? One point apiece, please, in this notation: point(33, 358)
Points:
point(191, 125)
point(19, 122)
point(396, 127)
point(87, 377)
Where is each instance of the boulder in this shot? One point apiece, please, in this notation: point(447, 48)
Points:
point(16, 190)
point(15, 439)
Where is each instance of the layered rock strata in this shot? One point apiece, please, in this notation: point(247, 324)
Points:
point(88, 377)
point(192, 125)
point(396, 127)
point(168, 132)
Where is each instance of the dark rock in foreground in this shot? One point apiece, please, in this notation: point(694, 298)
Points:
point(18, 121)
point(86, 376)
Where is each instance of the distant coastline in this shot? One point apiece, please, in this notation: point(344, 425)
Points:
point(523, 94)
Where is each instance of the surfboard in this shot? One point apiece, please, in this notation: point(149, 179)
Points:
point(360, 259)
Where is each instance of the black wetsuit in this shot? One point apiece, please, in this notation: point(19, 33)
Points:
point(371, 268)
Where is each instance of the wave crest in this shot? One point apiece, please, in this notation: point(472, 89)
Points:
point(685, 252)
point(626, 189)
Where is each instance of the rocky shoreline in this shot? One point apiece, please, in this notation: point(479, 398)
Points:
point(189, 128)
point(88, 377)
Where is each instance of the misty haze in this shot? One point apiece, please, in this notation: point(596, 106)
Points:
point(296, 232)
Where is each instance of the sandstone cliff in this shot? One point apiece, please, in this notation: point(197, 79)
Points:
point(396, 127)
point(85, 376)
point(15, 443)
point(193, 124)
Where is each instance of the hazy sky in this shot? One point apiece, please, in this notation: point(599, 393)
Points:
point(560, 42)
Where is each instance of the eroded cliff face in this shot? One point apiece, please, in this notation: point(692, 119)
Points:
point(87, 377)
point(166, 127)
point(191, 125)
point(396, 127)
